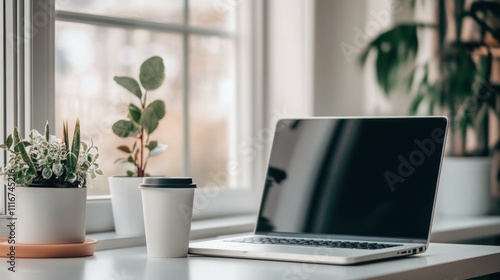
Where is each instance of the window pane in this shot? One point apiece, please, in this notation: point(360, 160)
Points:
point(156, 10)
point(87, 59)
point(213, 13)
point(212, 108)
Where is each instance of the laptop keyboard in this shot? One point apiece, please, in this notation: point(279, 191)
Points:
point(314, 243)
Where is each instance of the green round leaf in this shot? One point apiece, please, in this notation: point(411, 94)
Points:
point(152, 73)
point(158, 107)
point(125, 128)
point(130, 84)
point(46, 173)
point(149, 120)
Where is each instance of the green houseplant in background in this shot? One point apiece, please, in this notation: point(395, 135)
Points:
point(142, 120)
point(461, 79)
point(50, 176)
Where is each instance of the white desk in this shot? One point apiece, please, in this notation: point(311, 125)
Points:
point(441, 261)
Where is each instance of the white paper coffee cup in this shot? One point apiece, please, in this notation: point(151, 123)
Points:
point(168, 208)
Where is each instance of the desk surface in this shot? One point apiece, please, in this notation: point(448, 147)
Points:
point(441, 261)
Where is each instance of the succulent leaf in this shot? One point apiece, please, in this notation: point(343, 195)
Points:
point(22, 150)
point(65, 137)
point(47, 132)
point(75, 147)
point(71, 162)
point(46, 173)
point(9, 141)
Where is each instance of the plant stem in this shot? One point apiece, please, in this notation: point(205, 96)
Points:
point(145, 99)
point(140, 171)
point(147, 159)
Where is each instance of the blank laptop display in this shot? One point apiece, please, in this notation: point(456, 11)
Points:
point(351, 179)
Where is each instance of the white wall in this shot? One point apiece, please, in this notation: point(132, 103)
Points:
point(338, 81)
point(312, 49)
point(289, 41)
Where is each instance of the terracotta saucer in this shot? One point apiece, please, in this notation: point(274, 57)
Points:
point(86, 248)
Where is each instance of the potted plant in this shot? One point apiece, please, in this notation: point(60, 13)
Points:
point(142, 120)
point(50, 177)
point(460, 79)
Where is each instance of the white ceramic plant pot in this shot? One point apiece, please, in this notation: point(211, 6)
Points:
point(126, 201)
point(464, 187)
point(50, 215)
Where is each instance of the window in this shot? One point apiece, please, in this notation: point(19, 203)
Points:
point(200, 42)
point(213, 89)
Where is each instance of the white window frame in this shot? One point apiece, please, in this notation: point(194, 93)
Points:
point(37, 87)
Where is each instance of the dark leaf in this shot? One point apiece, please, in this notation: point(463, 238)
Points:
point(135, 113)
point(124, 148)
point(9, 141)
point(65, 136)
point(130, 84)
point(416, 103)
point(152, 73)
point(130, 173)
point(71, 162)
point(364, 56)
point(152, 145)
point(75, 146)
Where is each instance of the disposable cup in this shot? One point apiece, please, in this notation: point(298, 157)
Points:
point(168, 207)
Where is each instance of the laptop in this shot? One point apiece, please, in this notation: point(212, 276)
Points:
point(344, 191)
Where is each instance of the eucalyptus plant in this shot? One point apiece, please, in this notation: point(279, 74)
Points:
point(143, 117)
point(47, 161)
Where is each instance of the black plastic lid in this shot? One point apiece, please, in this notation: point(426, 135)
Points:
point(167, 182)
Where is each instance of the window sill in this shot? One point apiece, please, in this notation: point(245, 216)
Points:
point(199, 230)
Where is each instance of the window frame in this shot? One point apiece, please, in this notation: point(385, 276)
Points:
point(39, 89)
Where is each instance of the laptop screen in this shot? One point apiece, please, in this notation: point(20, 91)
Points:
point(373, 177)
